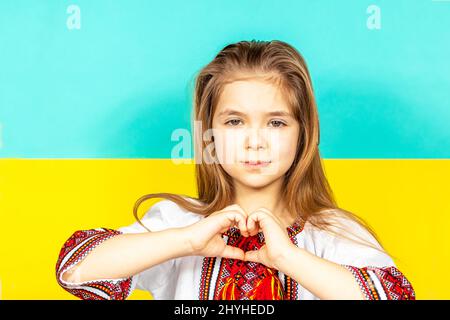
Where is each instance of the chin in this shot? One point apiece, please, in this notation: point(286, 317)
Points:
point(255, 182)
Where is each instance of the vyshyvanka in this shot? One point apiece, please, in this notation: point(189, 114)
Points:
point(216, 278)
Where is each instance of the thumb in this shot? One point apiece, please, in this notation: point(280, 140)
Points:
point(231, 252)
point(252, 256)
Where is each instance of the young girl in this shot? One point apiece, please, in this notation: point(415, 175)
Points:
point(265, 224)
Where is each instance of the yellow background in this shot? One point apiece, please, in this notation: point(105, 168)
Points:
point(42, 202)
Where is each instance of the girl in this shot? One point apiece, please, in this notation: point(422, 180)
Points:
point(265, 224)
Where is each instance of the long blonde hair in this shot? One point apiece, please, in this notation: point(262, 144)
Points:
point(306, 189)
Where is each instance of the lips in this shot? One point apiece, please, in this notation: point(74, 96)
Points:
point(255, 163)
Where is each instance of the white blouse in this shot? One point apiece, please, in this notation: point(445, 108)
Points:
point(197, 277)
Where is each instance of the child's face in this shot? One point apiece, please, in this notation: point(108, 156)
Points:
point(254, 134)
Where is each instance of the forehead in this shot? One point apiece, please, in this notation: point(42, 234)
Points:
point(252, 96)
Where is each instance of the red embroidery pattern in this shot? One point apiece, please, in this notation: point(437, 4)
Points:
point(205, 278)
point(394, 283)
point(290, 285)
point(245, 273)
point(74, 250)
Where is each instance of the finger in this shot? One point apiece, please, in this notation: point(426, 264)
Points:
point(243, 226)
point(226, 209)
point(262, 217)
point(229, 219)
point(240, 223)
point(253, 224)
point(235, 207)
point(223, 222)
point(239, 208)
point(266, 211)
point(231, 252)
point(269, 213)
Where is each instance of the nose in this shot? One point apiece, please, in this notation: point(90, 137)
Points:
point(255, 139)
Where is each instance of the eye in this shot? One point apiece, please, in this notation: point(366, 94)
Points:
point(278, 123)
point(229, 121)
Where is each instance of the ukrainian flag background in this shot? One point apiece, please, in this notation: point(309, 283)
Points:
point(86, 117)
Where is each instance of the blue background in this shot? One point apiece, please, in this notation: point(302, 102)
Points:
point(119, 86)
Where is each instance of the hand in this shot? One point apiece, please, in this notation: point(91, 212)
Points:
point(205, 237)
point(277, 245)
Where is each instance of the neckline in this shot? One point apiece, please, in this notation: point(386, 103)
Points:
point(295, 228)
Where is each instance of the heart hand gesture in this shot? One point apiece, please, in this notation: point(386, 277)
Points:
point(205, 236)
point(277, 242)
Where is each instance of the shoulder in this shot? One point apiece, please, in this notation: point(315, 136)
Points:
point(174, 214)
point(162, 215)
point(341, 226)
point(346, 241)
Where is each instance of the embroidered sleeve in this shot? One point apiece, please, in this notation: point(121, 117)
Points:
point(382, 283)
point(73, 251)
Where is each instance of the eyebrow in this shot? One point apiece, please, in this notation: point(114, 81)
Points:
point(279, 113)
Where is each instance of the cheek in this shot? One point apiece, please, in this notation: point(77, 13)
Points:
point(288, 149)
point(284, 147)
point(227, 145)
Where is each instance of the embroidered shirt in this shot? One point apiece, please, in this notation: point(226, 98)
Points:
point(203, 278)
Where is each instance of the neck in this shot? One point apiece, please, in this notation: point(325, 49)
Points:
point(251, 199)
